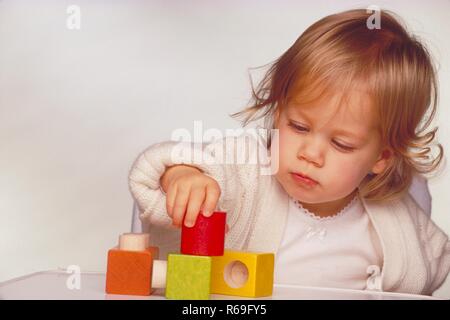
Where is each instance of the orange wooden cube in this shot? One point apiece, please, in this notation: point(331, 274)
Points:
point(130, 272)
point(154, 251)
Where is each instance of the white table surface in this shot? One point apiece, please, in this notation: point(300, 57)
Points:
point(52, 285)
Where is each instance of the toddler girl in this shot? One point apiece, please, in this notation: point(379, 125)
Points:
point(348, 108)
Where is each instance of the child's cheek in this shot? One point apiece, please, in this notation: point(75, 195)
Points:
point(348, 174)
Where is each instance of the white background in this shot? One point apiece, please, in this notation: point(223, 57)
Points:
point(78, 106)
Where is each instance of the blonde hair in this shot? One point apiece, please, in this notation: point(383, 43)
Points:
point(340, 52)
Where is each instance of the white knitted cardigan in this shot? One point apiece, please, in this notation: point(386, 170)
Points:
point(416, 252)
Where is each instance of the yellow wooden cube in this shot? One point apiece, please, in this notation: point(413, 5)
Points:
point(246, 274)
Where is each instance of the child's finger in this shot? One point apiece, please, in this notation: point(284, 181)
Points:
point(196, 199)
point(179, 207)
point(170, 199)
point(212, 195)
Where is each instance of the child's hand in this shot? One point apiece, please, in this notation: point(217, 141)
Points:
point(188, 191)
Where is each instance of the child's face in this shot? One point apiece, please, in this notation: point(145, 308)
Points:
point(336, 147)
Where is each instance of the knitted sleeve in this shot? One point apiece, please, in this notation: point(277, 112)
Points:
point(145, 174)
point(438, 253)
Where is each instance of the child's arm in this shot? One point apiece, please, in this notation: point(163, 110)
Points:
point(435, 247)
point(438, 252)
point(147, 171)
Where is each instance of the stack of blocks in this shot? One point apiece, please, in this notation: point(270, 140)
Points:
point(202, 267)
point(132, 266)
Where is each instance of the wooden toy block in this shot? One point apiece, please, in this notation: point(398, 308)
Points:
point(243, 274)
point(206, 237)
point(129, 272)
point(188, 277)
point(134, 241)
point(159, 274)
point(137, 242)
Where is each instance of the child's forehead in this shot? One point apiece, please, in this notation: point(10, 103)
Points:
point(354, 108)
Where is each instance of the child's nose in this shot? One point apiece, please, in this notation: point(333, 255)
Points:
point(312, 151)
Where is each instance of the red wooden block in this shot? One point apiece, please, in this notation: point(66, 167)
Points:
point(206, 237)
point(130, 272)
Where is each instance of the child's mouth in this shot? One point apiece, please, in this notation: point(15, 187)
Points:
point(304, 179)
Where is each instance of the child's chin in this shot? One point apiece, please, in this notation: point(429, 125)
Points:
point(302, 196)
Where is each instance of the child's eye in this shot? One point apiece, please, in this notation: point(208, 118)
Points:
point(343, 147)
point(297, 127)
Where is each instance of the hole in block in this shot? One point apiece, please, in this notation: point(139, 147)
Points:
point(235, 274)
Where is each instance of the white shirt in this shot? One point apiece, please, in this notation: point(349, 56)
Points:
point(340, 251)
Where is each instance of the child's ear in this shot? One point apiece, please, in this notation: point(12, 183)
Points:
point(383, 161)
